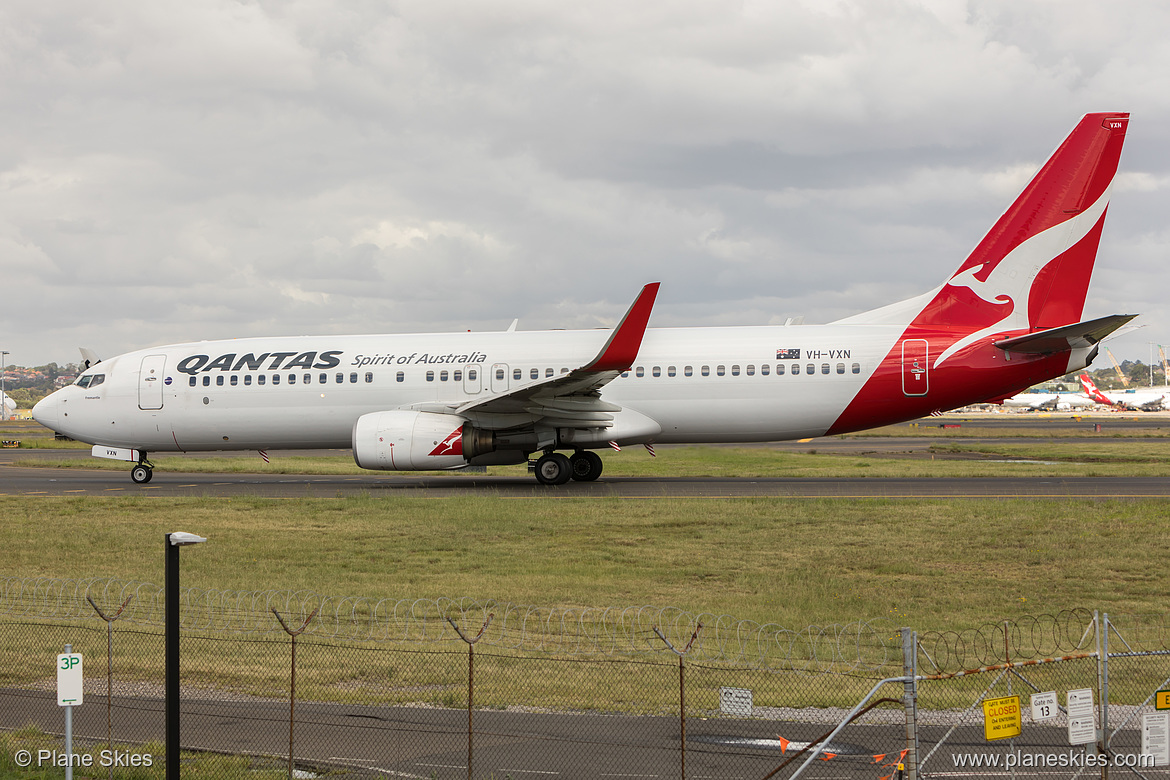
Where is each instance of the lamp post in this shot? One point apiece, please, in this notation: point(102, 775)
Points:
point(3, 413)
point(174, 541)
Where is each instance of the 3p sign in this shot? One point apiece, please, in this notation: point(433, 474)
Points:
point(69, 680)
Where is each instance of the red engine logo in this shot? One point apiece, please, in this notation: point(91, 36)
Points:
point(452, 445)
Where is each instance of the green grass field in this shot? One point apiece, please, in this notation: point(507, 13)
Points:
point(930, 564)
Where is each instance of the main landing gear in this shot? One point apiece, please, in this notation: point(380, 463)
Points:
point(553, 468)
point(143, 472)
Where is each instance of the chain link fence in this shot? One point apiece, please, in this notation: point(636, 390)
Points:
point(299, 684)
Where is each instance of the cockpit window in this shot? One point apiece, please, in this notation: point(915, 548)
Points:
point(90, 380)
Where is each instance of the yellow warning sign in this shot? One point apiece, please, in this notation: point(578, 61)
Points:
point(1162, 700)
point(1001, 718)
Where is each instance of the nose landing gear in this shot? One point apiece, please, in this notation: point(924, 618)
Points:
point(143, 472)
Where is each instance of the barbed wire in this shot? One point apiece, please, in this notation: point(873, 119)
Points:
point(1022, 639)
point(856, 647)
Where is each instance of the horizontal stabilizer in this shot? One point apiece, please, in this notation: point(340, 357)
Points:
point(1078, 336)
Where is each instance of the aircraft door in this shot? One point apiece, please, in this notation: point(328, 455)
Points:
point(471, 378)
point(150, 382)
point(499, 377)
point(915, 367)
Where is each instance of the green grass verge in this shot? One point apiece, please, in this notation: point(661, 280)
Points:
point(931, 564)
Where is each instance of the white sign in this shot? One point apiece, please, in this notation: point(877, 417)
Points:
point(1044, 706)
point(735, 701)
point(1082, 723)
point(69, 680)
point(1156, 737)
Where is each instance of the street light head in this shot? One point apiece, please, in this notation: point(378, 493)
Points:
point(180, 538)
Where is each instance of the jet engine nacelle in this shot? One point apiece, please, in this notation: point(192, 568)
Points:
point(403, 440)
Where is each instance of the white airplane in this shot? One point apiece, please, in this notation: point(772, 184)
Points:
point(1144, 399)
point(1049, 401)
point(7, 406)
point(1007, 319)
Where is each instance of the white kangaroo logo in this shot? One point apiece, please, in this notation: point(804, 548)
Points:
point(1010, 282)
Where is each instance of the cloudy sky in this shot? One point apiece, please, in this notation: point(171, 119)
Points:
point(174, 171)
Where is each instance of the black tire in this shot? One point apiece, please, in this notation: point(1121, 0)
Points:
point(553, 469)
point(141, 474)
point(586, 466)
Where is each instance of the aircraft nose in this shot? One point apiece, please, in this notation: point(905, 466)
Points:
point(45, 411)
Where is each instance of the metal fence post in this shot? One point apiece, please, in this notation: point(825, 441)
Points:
point(292, 688)
point(1104, 742)
point(910, 700)
point(470, 680)
point(682, 691)
point(109, 669)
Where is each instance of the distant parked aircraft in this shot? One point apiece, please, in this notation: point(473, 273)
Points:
point(1008, 318)
point(1138, 399)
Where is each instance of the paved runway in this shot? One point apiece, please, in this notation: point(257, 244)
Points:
point(20, 481)
point(15, 481)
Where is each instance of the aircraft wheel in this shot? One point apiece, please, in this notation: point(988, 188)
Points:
point(586, 466)
point(141, 474)
point(553, 469)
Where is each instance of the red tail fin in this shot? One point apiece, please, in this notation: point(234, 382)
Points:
point(1032, 269)
point(1092, 391)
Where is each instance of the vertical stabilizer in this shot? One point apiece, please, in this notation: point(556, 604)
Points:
point(1032, 269)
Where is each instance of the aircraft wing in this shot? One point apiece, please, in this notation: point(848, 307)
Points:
point(572, 399)
point(1078, 336)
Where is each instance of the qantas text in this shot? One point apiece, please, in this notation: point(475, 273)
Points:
point(193, 364)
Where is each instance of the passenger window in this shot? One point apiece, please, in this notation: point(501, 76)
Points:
point(292, 379)
point(276, 379)
point(401, 377)
point(442, 376)
point(751, 370)
point(517, 373)
point(534, 373)
point(471, 374)
point(795, 369)
point(825, 368)
point(219, 380)
point(499, 373)
point(670, 370)
point(369, 377)
point(735, 370)
point(206, 380)
point(656, 371)
point(247, 379)
point(688, 370)
point(720, 370)
point(764, 370)
point(192, 381)
point(339, 378)
point(430, 376)
point(857, 368)
point(323, 379)
point(307, 379)
point(779, 369)
point(235, 380)
point(840, 368)
point(625, 375)
point(457, 376)
point(564, 370)
point(706, 371)
point(810, 368)
point(639, 372)
point(353, 378)
point(260, 379)
point(548, 372)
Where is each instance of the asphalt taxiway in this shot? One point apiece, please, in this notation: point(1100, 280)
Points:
point(18, 480)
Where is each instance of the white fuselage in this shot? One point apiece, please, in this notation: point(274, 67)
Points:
point(699, 384)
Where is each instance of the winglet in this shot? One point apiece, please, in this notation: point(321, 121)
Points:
point(620, 352)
